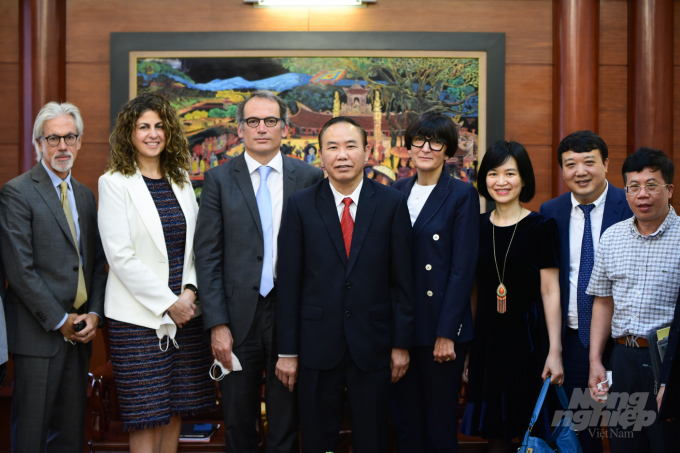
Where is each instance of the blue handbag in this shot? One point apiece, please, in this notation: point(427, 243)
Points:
point(563, 439)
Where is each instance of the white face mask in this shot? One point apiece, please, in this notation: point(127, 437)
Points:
point(213, 368)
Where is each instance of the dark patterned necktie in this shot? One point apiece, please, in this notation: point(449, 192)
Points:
point(347, 225)
point(584, 302)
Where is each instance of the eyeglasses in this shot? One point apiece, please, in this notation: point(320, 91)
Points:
point(254, 122)
point(53, 140)
point(436, 144)
point(651, 189)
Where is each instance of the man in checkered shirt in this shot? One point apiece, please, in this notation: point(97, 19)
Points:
point(635, 282)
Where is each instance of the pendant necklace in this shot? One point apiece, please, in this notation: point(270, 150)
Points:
point(502, 291)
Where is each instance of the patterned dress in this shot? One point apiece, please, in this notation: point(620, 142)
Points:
point(152, 384)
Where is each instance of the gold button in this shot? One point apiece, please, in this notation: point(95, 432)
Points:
point(428, 267)
point(429, 293)
point(435, 237)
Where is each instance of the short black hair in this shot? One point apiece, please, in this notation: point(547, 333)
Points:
point(433, 124)
point(582, 142)
point(654, 159)
point(342, 119)
point(497, 155)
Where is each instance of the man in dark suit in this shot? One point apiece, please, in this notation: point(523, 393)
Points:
point(668, 398)
point(4, 356)
point(235, 246)
point(56, 271)
point(591, 206)
point(346, 291)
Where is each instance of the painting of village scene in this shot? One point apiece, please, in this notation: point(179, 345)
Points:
point(383, 94)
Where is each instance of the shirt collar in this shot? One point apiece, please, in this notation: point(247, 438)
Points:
point(56, 180)
point(276, 163)
point(670, 220)
point(598, 203)
point(354, 196)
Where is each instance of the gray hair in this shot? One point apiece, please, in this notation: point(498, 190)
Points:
point(264, 94)
point(50, 111)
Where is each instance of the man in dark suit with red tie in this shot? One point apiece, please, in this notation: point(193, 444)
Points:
point(344, 314)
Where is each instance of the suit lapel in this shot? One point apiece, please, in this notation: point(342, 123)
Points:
point(81, 203)
point(289, 180)
point(141, 198)
point(245, 184)
point(49, 194)
point(612, 209)
point(186, 208)
point(364, 216)
point(433, 203)
point(325, 203)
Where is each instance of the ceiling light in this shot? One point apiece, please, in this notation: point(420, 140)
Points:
point(270, 3)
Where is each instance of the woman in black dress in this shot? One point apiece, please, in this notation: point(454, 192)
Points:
point(518, 321)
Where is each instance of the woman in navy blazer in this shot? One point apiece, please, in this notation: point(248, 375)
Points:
point(445, 217)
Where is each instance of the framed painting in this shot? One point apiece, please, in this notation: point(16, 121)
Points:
point(381, 80)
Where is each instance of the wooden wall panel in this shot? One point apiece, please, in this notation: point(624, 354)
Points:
point(528, 104)
point(541, 161)
point(613, 32)
point(612, 105)
point(89, 23)
point(676, 103)
point(87, 86)
point(9, 96)
point(527, 24)
point(91, 163)
point(9, 156)
point(9, 31)
point(676, 34)
point(617, 154)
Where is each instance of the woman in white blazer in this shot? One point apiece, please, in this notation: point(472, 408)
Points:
point(147, 219)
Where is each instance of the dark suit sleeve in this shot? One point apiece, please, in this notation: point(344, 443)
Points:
point(95, 298)
point(290, 273)
point(672, 346)
point(209, 252)
point(463, 264)
point(401, 277)
point(17, 257)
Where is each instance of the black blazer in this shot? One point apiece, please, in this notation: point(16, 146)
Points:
point(445, 244)
point(228, 242)
point(616, 209)
point(670, 371)
point(327, 303)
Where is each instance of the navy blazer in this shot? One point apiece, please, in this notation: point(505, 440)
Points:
point(327, 303)
point(670, 371)
point(616, 209)
point(445, 246)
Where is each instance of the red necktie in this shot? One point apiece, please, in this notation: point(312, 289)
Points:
point(347, 225)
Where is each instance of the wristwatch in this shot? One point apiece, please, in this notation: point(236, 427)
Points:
point(193, 288)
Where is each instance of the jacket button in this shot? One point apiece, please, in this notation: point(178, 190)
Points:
point(347, 314)
point(428, 267)
point(75, 268)
point(259, 258)
point(429, 293)
point(255, 288)
point(435, 237)
point(348, 285)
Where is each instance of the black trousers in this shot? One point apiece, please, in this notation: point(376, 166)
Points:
point(425, 402)
point(241, 390)
point(632, 374)
point(49, 401)
point(321, 396)
point(576, 372)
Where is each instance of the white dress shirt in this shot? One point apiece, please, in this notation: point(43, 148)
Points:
point(355, 200)
point(417, 198)
point(275, 185)
point(577, 223)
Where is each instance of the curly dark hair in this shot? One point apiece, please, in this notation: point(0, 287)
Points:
point(175, 156)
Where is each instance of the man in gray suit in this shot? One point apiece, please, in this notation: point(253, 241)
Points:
point(4, 357)
point(235, 245)
point(56, 270)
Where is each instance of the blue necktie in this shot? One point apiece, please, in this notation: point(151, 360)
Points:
point(264, 206)
point(584, 302)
